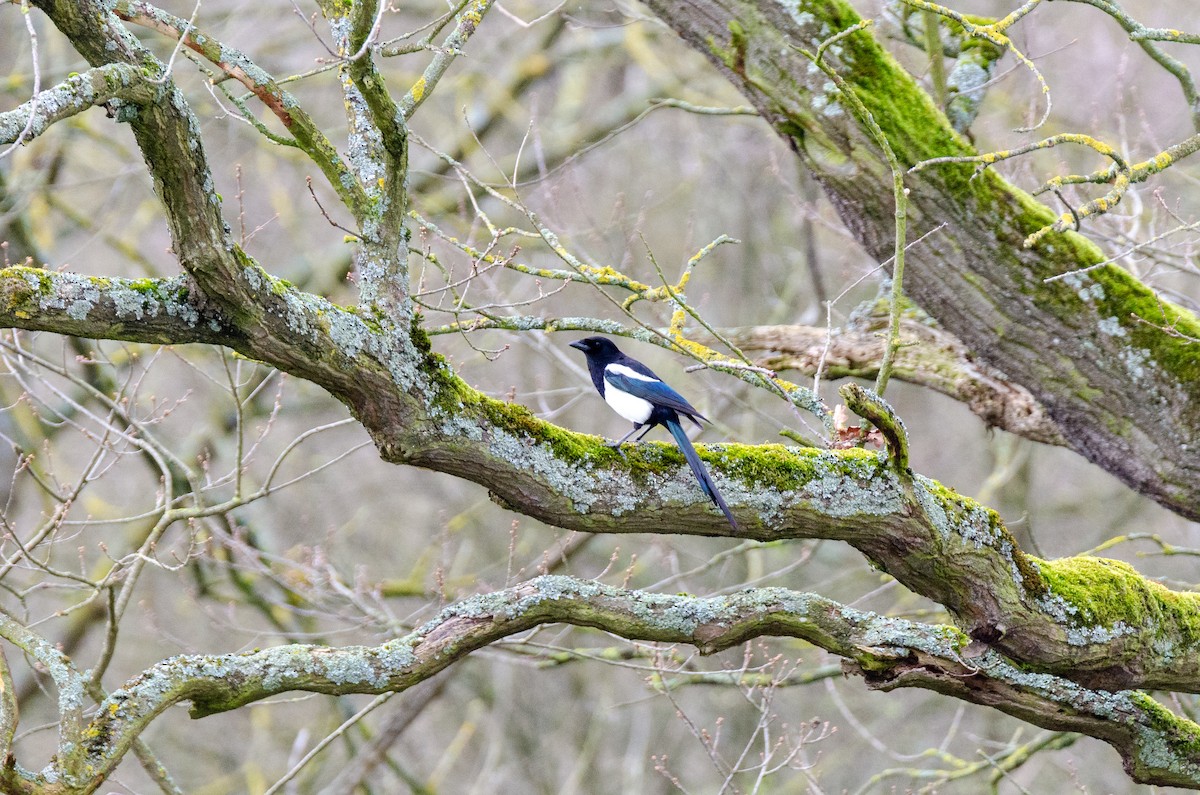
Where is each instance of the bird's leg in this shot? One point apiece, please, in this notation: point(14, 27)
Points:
point(617, 444)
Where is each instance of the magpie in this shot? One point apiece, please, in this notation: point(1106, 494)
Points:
point(631, 389)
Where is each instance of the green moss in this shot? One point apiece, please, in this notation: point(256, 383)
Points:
point(416, 333)
point(368, 318)
point(778, 467)
point(1030, 576)
point(1102, 593)
point(1119, 294)
point(1125, 297)
point(1182, 734)
point(451, 396)
point(521, 421)
point(735, 56)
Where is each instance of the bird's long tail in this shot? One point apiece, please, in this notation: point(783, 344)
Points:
point(693, 459)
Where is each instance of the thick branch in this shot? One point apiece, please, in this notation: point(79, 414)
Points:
point(1157, 746)
point(1099, 623)
point(1124, 393)
point(379, 121)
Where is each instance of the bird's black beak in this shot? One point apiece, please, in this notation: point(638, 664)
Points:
point(580, 345)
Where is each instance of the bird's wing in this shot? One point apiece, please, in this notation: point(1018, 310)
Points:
point(648, 387)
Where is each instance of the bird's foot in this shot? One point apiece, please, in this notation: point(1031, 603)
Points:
point(616, 446)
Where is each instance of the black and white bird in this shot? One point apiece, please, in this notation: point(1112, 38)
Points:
point(632, 390)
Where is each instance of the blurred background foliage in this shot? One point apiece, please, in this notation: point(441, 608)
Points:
point(560, 99)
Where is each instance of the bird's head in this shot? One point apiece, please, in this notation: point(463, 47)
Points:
point(600, 348)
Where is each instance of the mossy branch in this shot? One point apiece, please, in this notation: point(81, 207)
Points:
point(8, 708)
point(935, 542)
point(71, 693)
point(1137, 172)
point(167, 132)
point(157, 311)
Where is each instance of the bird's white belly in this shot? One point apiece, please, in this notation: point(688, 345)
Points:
point(634, 409)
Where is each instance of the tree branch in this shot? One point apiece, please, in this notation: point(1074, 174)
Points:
point(73, 96)
point(157, 311)
point(1045, 614)
point(465, 25)
point(379, 124)
point(929, 356)
point(1157, 746)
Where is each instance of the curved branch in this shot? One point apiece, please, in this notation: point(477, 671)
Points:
point(72, 97)
point(1045, 614)
point(1156, 745)
point(874, 409)
point(71, 693)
